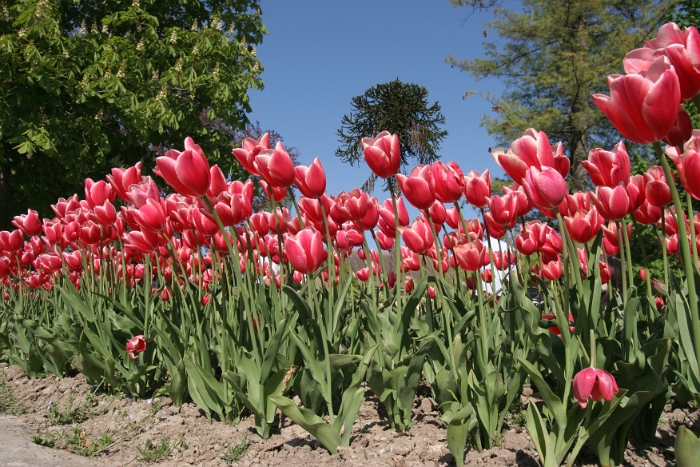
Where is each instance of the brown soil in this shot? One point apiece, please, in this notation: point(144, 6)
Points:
point(201, 442)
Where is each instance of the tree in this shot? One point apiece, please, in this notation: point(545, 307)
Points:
point(89, 85)
point(399, 108)
point(554, 56)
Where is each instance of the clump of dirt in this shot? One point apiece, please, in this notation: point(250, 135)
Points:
point(117, 430)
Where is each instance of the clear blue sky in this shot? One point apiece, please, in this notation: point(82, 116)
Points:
point(321, 53)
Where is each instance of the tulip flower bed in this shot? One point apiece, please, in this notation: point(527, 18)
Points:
point(193, 296)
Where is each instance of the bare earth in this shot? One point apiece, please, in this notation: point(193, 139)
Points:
point(198, 441)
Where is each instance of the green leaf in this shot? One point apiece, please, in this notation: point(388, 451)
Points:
point(310, 422)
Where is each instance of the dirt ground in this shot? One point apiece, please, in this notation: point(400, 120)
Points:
point(116, 430)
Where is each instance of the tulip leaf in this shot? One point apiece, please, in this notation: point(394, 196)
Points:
point(313, 365)
point(273, 349)
point(552, 401)
point(539, 435)
point(310, 422)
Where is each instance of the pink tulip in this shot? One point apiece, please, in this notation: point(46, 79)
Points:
point(545, 189)
point(680, 48)
point(275, 166)
point(643, 274)
point(418, 237)
point(658, 193)
point(386, 242)
point(136, 345)
point(477, 188)
point(531, 150)
point(96, 193)
point(612, 203)
point(584, 226)
point(383, 154)
point(311, 181)
point(186, 172)
point(644, 108)
point(552, 270)
point(659, 302)
point(350, 206)
point(682, 130)
point(449, 181)
point(122, 179)
point(418, 187)
point(251, 148)
point(609, 168)
point(305, 250)
point(28, 223)
point(596, 384)
point(151, 216)
point(688, 166)
point(503, 209)
point(468, 256)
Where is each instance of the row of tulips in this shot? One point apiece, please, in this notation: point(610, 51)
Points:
point(194, 295)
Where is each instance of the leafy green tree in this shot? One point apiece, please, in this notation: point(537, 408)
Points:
point(552, 56)
point(399, 108)
point(89, 85)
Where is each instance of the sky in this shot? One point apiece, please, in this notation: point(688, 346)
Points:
point(320, 54)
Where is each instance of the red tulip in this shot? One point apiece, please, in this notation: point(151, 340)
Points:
point(275, 166)
point(681, 49)
point(311, 181)
point(371, 217)
point(681, 131)
point(659, 302)
point(647, 214)
point(609, 168)
point(584, 226)
point(122, 179)
point(305, 250)
point(418, 187)
point(526, 243)
point(643, 107)
point(531, 150)
point(28, 223)
point(643, 274)
point(503, 209)
point(96, 193)
point(350, 206)
point(612, 203)
point(186, 172)
point(151, 216)
point(545, 189)
point(438, 214)
point(385, 242)
point(382, 154)
point(468, 256)
point(552, 270)
point(418, 236)
point(523, 203)
point(136, 345)
point(477, 188)
point(658, 192)
point(251, 148)
point(449, 181)
point(688, 166)
point(596, 384)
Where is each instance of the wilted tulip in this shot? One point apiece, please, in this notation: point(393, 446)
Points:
point(136, 345)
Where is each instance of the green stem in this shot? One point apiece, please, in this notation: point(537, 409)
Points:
point(685, 251)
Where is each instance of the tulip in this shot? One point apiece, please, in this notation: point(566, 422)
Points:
point(438, 214)
point(136, 345)
point(305, 250)
point(477, 188)
point(552, 270)
point(688, 166)
point(28, 223)
point(151, 216)
point(681, 131)
point(657, 192)
point(531, 150)
point(418, 237)
point(643, 274)
point(612, 203)
point(311, 181)
point(468, 256)
point(186, 172)
point(449, 181)
point(584, 226)
point(643, 107)
point(609, 168)
point(659, 302)
point(680, 48)
point(596, 384)
point(545, 189)
point(503, 209)
point(647, 214)
point(371, 217)
point(604, 272)
point(418, 187)
point(382, 154)
point(526, 243)
point(122, 179)
point(350, 206)
point(275, 166)
point(386, 242)
point(523, 205)
point(555, 329)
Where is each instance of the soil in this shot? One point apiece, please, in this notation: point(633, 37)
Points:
point(194, 440)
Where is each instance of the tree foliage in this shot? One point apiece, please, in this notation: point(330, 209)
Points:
point(399, 108)
point(91, 85)
point(551, 57)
